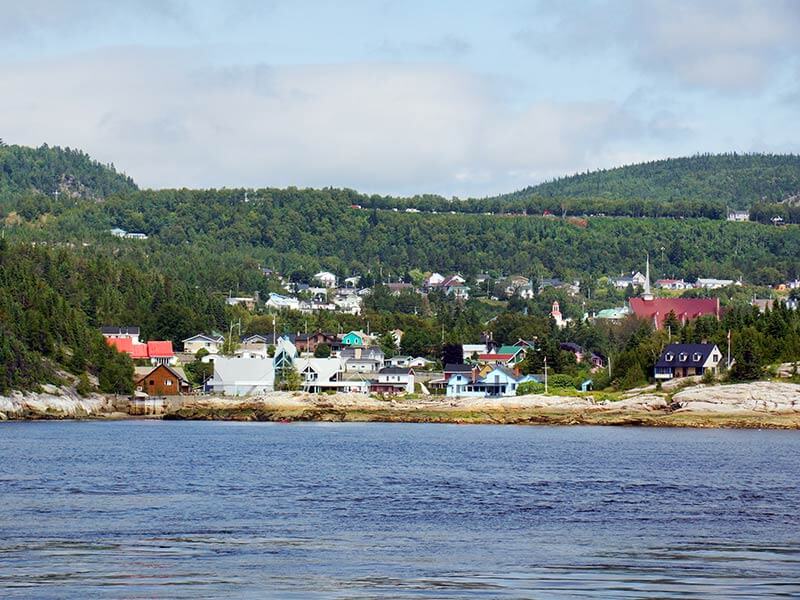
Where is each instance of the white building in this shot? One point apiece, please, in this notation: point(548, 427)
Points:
point(714, 284)
point(212, 344)
point(326, 278)
point(279, 302)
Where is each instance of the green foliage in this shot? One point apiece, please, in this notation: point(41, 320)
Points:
point(738, 179)
point(288, 380)
point(83, 387)
point(530, 387)
point(561, 381)
point(322, 351)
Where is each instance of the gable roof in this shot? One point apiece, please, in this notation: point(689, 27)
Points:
point(696, 355)
point(203, 336)
point(159, 349)
point(457, 368)
point(685, 309)
point(396, 371)
point(178, 374)
point(112, 330)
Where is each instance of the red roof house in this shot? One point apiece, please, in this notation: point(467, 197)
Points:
point(656, 310)
point(158, 352)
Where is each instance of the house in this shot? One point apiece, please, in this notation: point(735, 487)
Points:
point(581, 355)
point(420, 363)
point(249, 302)
point(672, 284)
point(394, 380)
point(504, 355)
point(163, 381)
point(433, 280)
point(738, 216)
point(686, 360)
point(157, 352)
point(111, 332)
point(613, 314)
point(135, 236)
point(325, 374)
point(634, 280)
point(279, 302)
point(348, 304)
point(211, 343)
point(356, 338)
point(498, 382)
point(352, 282)
point(117, 232)
point(326, 278)
point(455, 286)
point(473, 351)
point(714, 284)
point(396, 288)
point(399, 361)
point(362, 359)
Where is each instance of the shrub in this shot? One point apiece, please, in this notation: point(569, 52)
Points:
point(530, 387)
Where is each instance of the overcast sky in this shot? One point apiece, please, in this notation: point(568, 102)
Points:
point(452, 97)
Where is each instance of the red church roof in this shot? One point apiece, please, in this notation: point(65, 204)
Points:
point(686, 309)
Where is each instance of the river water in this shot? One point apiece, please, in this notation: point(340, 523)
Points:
point(148, 509)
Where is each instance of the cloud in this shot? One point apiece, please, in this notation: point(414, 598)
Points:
point(169, 118)
point(721, 45)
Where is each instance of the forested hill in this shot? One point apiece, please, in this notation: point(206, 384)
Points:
point(47, 170)
point(738, 180)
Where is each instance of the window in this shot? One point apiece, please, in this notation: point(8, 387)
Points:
point(152, 382)
point(669, 357)
point(683, 356)
point(696, 357)
point(168, 381)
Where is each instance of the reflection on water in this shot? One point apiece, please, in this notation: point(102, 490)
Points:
point(200, 510)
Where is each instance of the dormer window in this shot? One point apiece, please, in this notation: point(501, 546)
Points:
point(669, 357)
point(697, 357)
point(683, 356)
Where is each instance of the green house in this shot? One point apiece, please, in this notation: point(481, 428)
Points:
point(354, 338)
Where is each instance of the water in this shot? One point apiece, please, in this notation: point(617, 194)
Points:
point(144, 509)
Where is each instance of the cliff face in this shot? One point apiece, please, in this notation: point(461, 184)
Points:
point(759, 396)
point(55, 403)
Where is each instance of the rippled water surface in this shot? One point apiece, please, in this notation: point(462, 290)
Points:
point(143, 509)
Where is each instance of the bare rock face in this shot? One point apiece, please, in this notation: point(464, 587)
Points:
point(760, 396)
point(52, 403)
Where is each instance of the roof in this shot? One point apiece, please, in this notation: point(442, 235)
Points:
point(203, 336)
point(512, 350)
point(496, 356)
point(505, 371)
point(113, 330)
point(458, 368)
point(159, 349)
point(571, 346)
point(696, 355)
point(684, 308)
point(176, 372)
point(396, 371)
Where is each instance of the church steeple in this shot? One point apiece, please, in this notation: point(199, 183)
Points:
point(647, 294)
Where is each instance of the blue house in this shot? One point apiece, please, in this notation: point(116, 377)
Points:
point(354, 338)
point(497, 383)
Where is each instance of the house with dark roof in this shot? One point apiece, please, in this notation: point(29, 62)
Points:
point(163, 380)
point(687, 360)
point(393, 380)
point(113, 332)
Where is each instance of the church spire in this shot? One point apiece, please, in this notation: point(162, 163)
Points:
point(647, 294)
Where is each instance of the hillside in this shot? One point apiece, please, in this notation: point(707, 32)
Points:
point(47, 170)
point(737, 180)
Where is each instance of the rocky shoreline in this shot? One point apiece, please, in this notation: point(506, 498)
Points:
point(751, 405)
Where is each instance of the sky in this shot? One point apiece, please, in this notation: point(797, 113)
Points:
point(451, 97)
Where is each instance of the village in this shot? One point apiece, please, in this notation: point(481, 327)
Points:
point(354, 362)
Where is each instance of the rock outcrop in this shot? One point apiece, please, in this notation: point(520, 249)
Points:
point(54, 403)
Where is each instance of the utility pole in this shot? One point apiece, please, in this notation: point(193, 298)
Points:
point(729, 348)
point(545, 374)
point(273, 330)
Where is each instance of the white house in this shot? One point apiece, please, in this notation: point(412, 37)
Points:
point(279, 302)
point(714, 284)
point(433, 280)
point(419, 363)
point(399, 361)
point(394, 380)
point(326, 278)
point(212, 344)
point(497, 383)
point(348, 304)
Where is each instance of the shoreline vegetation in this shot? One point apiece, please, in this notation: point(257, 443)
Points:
point(759, 405)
